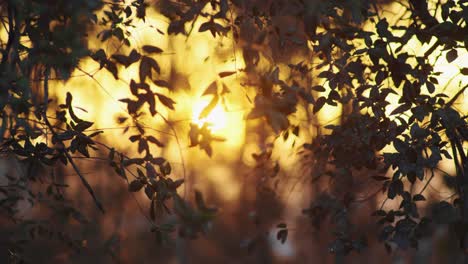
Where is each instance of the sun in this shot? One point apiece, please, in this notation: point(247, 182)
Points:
point(216, 119)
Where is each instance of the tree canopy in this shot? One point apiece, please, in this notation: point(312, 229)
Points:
point(366, 98)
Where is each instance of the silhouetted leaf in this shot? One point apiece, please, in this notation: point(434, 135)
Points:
point(168, 102)
point(419, 197)
point(211, 89)
point(135, 186)
point(155, 141)
point(282, 235)
point(122, 59)
point(452, 55)
point(135, 138)
point(400, 109)
point(162, 83)
point(207, 110)
point(151, 49)
point(319, 104)
point(150, 171)
point(145, 69)
point(110, 66)
point(142, 145)
point(318, 88)
point(226, 74)
point(82, 126)
point(134, 56)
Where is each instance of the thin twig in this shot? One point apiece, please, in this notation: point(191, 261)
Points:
point(455, 97)
point(180, 153)
point(69, 158)
point(428, 182)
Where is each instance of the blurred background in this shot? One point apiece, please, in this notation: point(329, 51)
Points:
point(256, 177)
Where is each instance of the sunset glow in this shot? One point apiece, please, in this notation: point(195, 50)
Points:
point(216, 119)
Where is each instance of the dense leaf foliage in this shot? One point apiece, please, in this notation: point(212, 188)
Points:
point(396, 124)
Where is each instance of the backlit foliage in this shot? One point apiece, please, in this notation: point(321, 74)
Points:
point(302, 63)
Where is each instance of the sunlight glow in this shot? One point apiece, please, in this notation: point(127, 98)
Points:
point(216, 119)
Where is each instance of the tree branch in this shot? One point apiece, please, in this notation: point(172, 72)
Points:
point(69, 158)
point(455, 97)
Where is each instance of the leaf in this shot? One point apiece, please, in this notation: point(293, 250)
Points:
point(296, 131)
point(382, 28)
point(135, 186)
point(158, 160)
point(213, 27)
point(150, 171)
point(134, 138)
point(128, 11)
point(154, 65)
point(334, 95)
point(140, 173)
point(151, 49)
point(318, 88)
point(145, 69)
point(395, 188)
point(162, 83)
point(326, 75)
point(226, 74)
point(141, 10)
point(155, 141)
point(319, 104)
point(168, 102)
point(152, 103)
point(100, 56)
point(149, 191)
point(142, 145)
point(400, 145)
point(433, 80)
point(451, 55)
point(110, 66)
point(133, 87)
point(95, 133)
point(122, 59)
point(400, 109)
point(134, 56)
point(177, 183)
point(205, 26)
point(419, 197)
point(207, 110)
point(380, 76)
point(175, 27)
point(165, 168)
point(282, 235)
point(211, 89)
point(430, 87)
point(83, 125)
